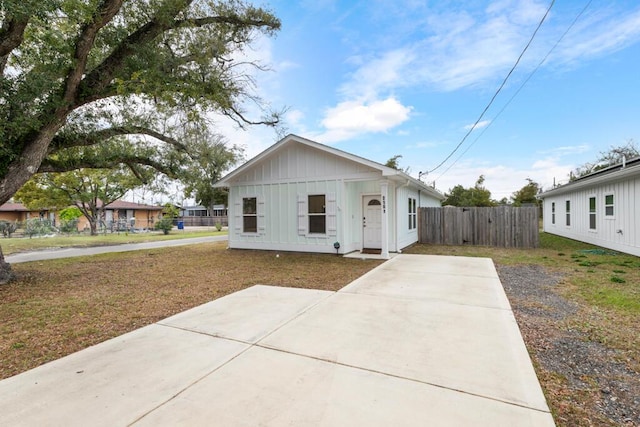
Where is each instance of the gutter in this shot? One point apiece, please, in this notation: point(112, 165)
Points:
point(625, 172)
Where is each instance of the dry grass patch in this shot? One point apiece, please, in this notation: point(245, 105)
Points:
point(58, 307)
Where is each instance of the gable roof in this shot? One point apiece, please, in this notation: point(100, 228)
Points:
point(391, 173)
point(118, 204)
point(121, 204)
point(13, 207)
point(626, 169)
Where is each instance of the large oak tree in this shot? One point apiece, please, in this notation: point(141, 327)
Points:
point(74, 74)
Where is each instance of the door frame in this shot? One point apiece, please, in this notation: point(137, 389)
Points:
point(362, 211)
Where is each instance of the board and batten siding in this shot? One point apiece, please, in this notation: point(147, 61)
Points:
point(279, 217)
point(299, 162)
point(619, 232)
point(407, 236)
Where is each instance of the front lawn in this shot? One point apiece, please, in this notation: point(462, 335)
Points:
point(578, 308)
point(24, 244)
point(61, 306)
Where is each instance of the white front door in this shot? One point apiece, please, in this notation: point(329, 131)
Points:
point(371, 222)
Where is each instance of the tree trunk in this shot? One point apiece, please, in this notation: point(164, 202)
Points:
point(6, 275)
point(93, 225)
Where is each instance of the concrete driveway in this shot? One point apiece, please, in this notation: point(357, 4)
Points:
point(420, 340)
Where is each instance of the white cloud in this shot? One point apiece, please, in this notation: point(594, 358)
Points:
point(453, 50)
point(294, 117)
point(480, 125)
point(600, 32)
point(351, 118)
point(503, 180)
point(567, 150)
point(378, 74)
point(445, 49)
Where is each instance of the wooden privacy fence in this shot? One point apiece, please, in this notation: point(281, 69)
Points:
point(502, 226)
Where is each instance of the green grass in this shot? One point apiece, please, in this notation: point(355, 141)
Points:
point(25, 244)
point(593, 275)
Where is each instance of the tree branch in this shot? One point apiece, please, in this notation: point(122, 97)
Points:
point(231, 19)
point(11, 36)
point(97, 80)
point(235, 111)
point(101, 76)
point(131, 161)
point(104, 14)
point(86, 140)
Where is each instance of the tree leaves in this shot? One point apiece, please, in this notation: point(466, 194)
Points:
point(477, 195)
point(81, 73)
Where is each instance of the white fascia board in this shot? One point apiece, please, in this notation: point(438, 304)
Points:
point(224, 182)
point(402, 177)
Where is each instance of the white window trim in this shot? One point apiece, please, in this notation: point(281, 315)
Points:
point(553, 213)
point(595, 213)
point(413, 212)
point(613, 205)
point(567, 214)
point(330, 213)
point(318, 214)
point(242, 215)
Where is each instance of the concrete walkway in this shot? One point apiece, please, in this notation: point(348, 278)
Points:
point(95, 250)
point(420, 340)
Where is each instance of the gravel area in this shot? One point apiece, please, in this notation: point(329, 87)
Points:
point(584, 377)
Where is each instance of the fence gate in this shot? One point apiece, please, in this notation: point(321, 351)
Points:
point(503, 226)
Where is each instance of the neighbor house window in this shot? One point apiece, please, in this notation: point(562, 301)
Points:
point(317, 214)
point(568, 212)
point(608, 205)
point(249, 215)
point(412, 213)
point(553, 212)
point(592, 213)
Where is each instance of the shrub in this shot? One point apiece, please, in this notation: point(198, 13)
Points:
point(165, 224)
point(38, 227)
point(218, 226)
point(7, 228)
point(69, 226)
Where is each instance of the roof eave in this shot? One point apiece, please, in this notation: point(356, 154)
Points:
point(594, 180)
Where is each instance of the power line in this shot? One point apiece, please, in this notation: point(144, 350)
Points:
point(544, 59)
point(499, 88)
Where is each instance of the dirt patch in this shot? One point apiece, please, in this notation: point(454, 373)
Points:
point(586, 383)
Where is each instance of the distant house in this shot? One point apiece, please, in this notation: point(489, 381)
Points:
point(299, 195)
point(119, 214)
point(602, 208)
point(123, 214)
point(17, 212)
point(200, 211)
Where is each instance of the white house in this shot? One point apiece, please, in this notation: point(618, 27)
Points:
point(299, 195)
point(602, 208)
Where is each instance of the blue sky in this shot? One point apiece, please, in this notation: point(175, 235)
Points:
point(380, 78)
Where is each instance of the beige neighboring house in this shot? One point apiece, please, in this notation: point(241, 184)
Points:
point(118, 214)
point(128, 215)
point(13, 212)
